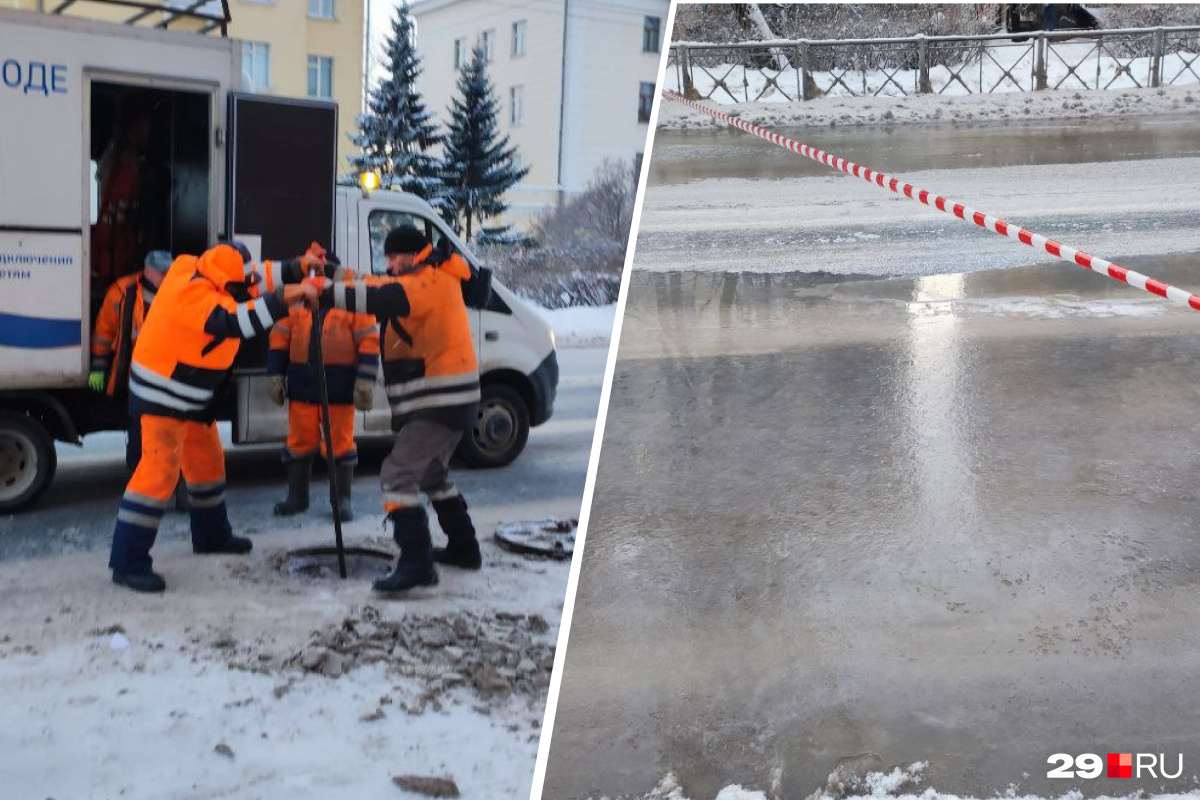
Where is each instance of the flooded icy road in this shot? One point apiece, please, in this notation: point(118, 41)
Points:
point(875, 480)
point(729, 201)
point(951, 519)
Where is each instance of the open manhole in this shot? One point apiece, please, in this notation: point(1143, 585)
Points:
point(363, 563)
point(554, 538)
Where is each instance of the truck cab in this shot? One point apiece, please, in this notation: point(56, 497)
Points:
point(518, 364)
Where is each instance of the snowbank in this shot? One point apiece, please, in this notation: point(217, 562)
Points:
point(581, 326)
point(203, 692)
point(1045, 105)
point(897, 783)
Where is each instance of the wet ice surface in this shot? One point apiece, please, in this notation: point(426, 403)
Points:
point(948, 516)
point(846, 517)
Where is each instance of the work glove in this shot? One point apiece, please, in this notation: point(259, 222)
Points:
point(363, 394)
point(96, 380)
point(275, 389)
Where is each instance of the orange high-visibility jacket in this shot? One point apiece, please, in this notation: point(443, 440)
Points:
point(429, 364)
point(350, 350)
point(188, 344)
point(118, 323)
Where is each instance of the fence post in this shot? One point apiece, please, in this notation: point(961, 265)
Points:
point(806, 80)
point(1158, 47)
point(923, 85)
point(685, 67)
point(1039, 63)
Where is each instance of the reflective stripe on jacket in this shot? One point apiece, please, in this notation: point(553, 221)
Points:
point(186, 347)
point(429, 364)
point(112, 346)
point(350, 349)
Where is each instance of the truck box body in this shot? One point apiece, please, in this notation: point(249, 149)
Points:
point(47, 68)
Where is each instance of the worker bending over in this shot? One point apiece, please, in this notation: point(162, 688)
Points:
point(203, 312)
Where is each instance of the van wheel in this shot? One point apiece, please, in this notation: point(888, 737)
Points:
point(27, 460)
point(501, 430)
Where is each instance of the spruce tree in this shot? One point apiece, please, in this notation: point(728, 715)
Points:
point(477, 164)
point(397, 129)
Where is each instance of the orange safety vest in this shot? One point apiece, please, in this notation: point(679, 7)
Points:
point(117, 326)
point(429, 364)
point(188, 344)
point(350, 350)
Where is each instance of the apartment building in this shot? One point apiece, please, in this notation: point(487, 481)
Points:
point(575, 79)
point(291, 48)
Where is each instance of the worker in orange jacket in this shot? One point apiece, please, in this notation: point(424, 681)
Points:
point(204, 310)
point(350, 351)
point(432, 378)
point(118, 324)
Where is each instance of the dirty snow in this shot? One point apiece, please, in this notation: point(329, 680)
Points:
point(580, 326)
point(850, 780)
point(248, 680)
point(1065, 103)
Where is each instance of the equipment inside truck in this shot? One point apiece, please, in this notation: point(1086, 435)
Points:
point(150, 168)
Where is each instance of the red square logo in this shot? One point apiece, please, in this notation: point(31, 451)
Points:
point(1120, 765)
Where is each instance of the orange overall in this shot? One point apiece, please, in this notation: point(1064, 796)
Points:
point(350, 350)
point(181, 357)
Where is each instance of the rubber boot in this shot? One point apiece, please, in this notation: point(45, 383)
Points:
point(462, 549)
point(299, 476)
point(415, 566)
point(212, 533)
point(343, 477)
point(130, 559)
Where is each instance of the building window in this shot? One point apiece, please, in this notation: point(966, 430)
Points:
point(320, 9)
point(320, 77)
point(256, 66)
point(460, 53)
point(637, 166)
point(518, 36)
point(516, 105)
point(645, 101)
point(485, 40)
point(651, 36)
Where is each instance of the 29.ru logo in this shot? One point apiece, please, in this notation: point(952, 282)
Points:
point(1120, 765)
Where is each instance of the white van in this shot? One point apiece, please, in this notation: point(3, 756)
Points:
point(77, 96)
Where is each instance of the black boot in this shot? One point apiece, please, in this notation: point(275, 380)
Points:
point(462, 550)
point(415, 567)
point(343, 475)
point(150, 582)
point(299, 475)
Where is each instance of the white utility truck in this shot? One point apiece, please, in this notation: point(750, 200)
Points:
point(116, 140)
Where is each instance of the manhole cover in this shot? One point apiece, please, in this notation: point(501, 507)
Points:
point(365, 563)
point(543, 537)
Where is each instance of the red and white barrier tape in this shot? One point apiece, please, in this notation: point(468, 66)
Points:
point(1060, 251)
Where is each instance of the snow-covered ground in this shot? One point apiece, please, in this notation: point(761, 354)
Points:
point(581, 326)
point(1002, 68)
point(245, 680)
point(1063, 103)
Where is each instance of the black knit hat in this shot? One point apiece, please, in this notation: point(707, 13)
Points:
point(404, 239)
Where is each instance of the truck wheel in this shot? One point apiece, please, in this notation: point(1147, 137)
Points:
point(501, 430)
point(27, 461)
